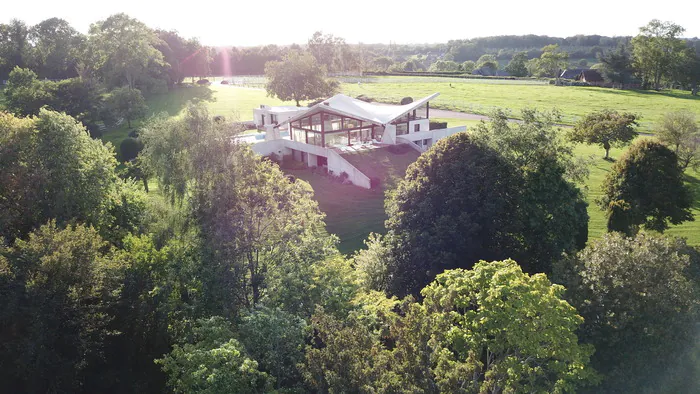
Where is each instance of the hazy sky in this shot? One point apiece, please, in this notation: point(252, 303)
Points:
point(246, 23)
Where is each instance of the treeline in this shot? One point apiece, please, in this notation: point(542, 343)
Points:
point(225, 280)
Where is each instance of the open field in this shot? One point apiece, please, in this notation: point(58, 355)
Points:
point(352, 213)
point(232, 102)
point(482, 96)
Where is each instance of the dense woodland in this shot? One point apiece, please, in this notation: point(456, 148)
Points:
point(225, 280)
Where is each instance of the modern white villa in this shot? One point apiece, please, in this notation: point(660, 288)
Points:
point(267, 117)
point(326, 133)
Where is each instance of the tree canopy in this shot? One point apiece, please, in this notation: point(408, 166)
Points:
point(645, 188)
point(607, 128)
point(639, 297)
point(298, 77)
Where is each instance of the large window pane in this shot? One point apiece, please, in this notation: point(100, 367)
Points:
point(402, 129)
point(336, 139)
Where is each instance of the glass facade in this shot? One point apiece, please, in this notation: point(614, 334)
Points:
point(338, 131)
point(402, 128)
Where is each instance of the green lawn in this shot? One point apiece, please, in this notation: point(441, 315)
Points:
point(229, 101)
point(351, 212)
point(481, 96)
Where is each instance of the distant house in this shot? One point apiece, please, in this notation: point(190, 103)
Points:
point(591, 76)
point(571, 73)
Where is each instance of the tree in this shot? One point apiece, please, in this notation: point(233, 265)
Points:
point(639, 298)
point(123, 50)
point(14, 47)
point(607, 128)
point(617, 65)
point(56, 46)
point(552, 61)
point(127, 103)
point(679, 130)
point(473, 332)
point(253, 223)
point(383, 63)
point(645, 188)
point(657, 51)
point(298, 77)
point(57, 287)
point(468, 66)
point(551, 208)
point(500, 330)
point(214, 363)
point(25, 95)
point(275, 339)
point(329, 51)
point(517, 66)
point(434, 227)
point(487, 61)
point(50, 168)
point(442, 66)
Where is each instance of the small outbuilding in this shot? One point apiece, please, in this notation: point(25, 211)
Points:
point(592, 77)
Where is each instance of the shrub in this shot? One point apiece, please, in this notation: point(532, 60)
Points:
point(224, 82)
point(437, 125)
point(374, 182)
point(344, 175)
point(406, 100)
point(364, 98)
point(203, 82)
point(130, 148)
point(134, 133)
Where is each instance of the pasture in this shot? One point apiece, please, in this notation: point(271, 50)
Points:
point(483, 96)
point(352, 213)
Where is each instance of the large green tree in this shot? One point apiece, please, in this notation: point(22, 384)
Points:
point(254, 222)
point(679, 130)
point(657, 51)
point(127, 103)
point(489, 329)
point(617, 65)
point(122, 51)
point(15, 48)
point(57, 287)
point(454, 207)
point(517, 66)
point(56, 48)
point(50, 168)
point(607, 128)
point(645, 188)
point(551, 208)
point(213, 362)
point(639, 298)
point(298, 77)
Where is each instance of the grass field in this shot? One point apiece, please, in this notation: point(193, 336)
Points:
point(352, 213)
point(482, 96)
point(229, 101)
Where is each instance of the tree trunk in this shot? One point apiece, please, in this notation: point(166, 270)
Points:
point(297, 102)
point(128, 122)
point(606, 146)
point(145, 183)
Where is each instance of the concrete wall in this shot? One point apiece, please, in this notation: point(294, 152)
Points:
point(336, 162)
point(433, 135)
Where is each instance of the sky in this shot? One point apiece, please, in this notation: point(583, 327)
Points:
point(282, 22)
